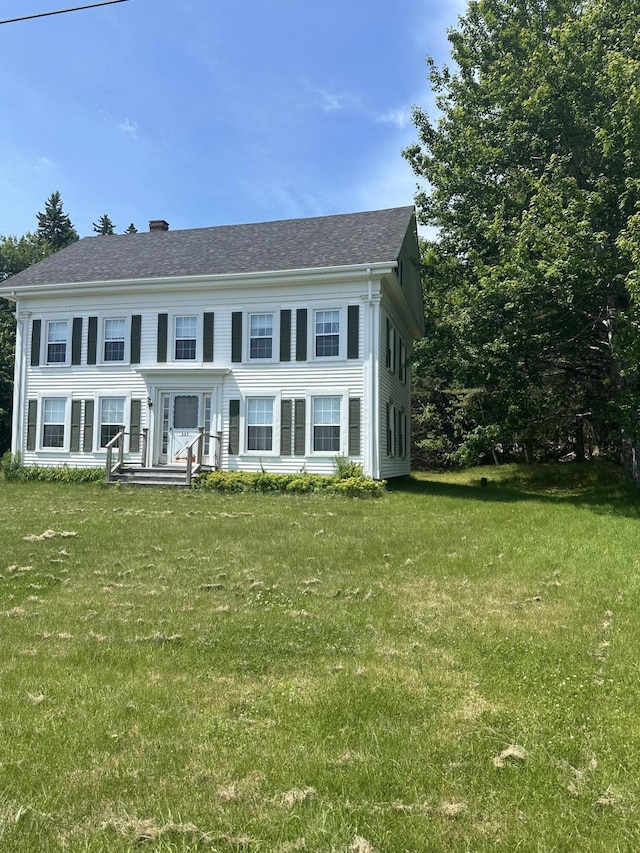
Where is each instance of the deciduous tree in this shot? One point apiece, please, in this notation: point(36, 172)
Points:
point(532, 167)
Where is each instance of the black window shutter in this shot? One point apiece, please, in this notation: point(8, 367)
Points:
point(207, 336)
point(388, 429)
point(163, 329)
point(285, 335)
point(354, 426)
point(74, 444)
point(76, 340)
point(236, 336)
point(136, 336)
point(394, 352)
point(234, 426)
point(285, 427)
point(301, 334)
point(32, 416)
point(36, 330)
point(388, 344)
point(87, 438)
point(298, 428)
point(353, 331)
point(92, 340)
point(134, 426)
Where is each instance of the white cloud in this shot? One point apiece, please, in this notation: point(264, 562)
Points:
point(124, 125)
point(129, 127)
point(333, 102)
point(399, 118)
point(350, 102)
point(44, 164)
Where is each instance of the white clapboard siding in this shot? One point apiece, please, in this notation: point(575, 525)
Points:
point(387, 294)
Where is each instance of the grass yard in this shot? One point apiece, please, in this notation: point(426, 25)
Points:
point(448, 668)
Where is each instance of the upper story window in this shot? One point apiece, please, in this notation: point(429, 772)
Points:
point(260, 423)
point(261, 336)
point(114, 339)
point(186, 338)
point(57, 342)
point(53, 421)
point(327, 334)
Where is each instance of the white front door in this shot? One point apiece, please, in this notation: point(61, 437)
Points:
point(182, 417)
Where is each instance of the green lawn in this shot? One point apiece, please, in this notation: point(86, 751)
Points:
point(447, 668)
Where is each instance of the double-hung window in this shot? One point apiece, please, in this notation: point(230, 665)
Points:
point(57, 342)
point(326, 424)
point(53, 421)
point(114, 337)
point(261, 336)
point(111, 418)
point(186, 338)
point(327, 334)
point(260, 423)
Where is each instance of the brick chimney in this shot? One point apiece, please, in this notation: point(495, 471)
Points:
point(158, 225)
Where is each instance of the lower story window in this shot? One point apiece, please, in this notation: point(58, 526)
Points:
point(111, 418)
point(260, 423)
point(53, 418)
point(326, 424)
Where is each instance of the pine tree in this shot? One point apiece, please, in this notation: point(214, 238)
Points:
point(104, 225)
point(54, 226)
point(131, 229)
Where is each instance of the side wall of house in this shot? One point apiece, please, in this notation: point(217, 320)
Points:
point(395, 394)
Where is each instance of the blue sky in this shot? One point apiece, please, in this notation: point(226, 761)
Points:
point(212, 112)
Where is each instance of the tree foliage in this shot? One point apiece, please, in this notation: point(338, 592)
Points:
point(104, 225)
point(533, 184)
point(54, 225)
point(16, 254)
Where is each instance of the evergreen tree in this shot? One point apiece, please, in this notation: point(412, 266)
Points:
point(16, 254)
point(54, 226)
point(104, 225)
point(131, 229)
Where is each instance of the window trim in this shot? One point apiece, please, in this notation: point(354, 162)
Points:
point(272, 337)
point(67, 344)
point(40, 424)
point(197, 316)
point(97, 419)
point(342, 332)
point(248, 425)
point(275, 336)
point(126, 354)
point(253, 394)
point(342, 397)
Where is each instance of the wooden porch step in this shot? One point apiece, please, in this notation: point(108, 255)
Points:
point(161, 476)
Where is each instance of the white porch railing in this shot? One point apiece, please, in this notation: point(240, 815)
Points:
point(110, 468)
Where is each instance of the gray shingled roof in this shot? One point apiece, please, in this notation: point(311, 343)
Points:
point(323, 241)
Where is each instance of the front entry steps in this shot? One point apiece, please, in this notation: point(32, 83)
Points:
point(159, 476)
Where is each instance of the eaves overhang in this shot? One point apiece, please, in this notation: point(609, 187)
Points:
point(200, 282)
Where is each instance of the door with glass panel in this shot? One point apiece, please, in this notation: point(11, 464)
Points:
point(182, 416)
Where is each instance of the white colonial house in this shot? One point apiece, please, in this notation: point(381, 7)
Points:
point(275, 346)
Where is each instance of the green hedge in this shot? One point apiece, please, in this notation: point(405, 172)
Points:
point(15, 472)
point(292, 484)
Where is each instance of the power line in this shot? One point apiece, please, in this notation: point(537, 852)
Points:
point(62, 11)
